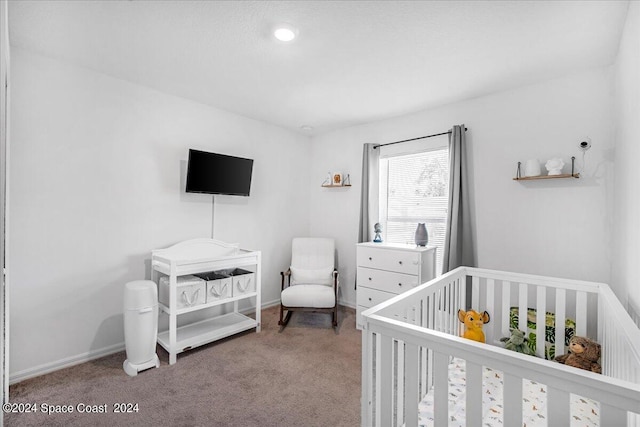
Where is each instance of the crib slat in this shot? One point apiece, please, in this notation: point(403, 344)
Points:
point(474, 395)
point(423, 371)
point(429, 368)
point(384, 406)
point(377, 366)
point(506, 304)
point(512, 400)
point(432, 311)
point(462, 295)
point(424, 309)
point(607, 360)
point(449, 309)
point(440, 389)
point(427, 371)
point(615, 372)
point(490, 290)
point(610, 416)
point(455, 325)
point(442, 310)
point(412, 385)
point(522, 307)
point(400, 376)
point(367, 377)
point(558, 412)
point(444, 307)
point(560, 321)
point(601, 321)
point(439, 309)
point(475, 293)
point(581, 313)
point(423, 351)
point(541, 320)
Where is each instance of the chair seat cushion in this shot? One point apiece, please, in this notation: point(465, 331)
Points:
point(315, 296)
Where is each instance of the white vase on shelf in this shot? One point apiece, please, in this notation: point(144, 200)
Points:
point(532, 168)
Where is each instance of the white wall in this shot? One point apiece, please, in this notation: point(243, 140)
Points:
point(626, 235)
point(96, 185)
point(557, 228)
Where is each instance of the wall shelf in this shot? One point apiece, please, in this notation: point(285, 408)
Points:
point(532, 178)
point(336, 186)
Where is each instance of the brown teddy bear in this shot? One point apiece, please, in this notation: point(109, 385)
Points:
point(583, 353)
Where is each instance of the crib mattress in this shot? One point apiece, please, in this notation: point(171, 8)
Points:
point(584, 412)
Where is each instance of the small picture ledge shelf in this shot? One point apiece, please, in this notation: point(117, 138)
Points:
point(531, 178)
point(558, 163)
point(336, 186)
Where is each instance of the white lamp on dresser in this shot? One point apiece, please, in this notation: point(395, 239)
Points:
point(388, 269)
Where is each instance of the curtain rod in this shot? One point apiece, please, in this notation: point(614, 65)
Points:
point(413, 139)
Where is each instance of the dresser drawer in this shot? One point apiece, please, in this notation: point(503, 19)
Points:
point(387, 281)
point(388, 259)
point(369, 297)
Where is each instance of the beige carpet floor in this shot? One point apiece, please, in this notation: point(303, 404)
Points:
point(305, 376)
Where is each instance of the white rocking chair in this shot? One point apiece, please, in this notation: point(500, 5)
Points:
point(312, 279)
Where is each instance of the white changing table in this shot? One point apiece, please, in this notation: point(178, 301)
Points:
point(199, 256)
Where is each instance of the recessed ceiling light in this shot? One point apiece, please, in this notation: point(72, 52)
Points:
point(306, 128)
point(285, 33)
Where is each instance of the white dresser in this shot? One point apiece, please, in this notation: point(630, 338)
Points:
point(388, 269)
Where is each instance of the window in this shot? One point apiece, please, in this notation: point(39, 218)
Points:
point(414, 188)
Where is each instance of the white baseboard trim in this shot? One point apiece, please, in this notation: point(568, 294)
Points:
point(67, 362)
point(269, 304)
point(347, 304)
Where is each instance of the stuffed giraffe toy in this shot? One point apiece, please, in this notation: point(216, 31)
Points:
point(473, 322)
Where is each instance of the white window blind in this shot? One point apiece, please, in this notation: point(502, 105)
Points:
point(414, 188)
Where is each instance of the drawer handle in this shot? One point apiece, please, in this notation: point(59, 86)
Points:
point(399, 284)
point(369, 299)
point(400, 262)
point(370, 259)
point(369, 278)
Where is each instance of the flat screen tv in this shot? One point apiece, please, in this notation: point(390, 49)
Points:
point(213, 173)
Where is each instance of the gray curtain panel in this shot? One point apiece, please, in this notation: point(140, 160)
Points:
point(458, 242)
point(369, 192)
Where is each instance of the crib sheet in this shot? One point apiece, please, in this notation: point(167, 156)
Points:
point(584, 412)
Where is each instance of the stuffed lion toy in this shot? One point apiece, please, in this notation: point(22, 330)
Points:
point(473, 322)
point(583, 353)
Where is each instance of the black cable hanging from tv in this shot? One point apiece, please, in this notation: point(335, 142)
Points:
point(413, 139)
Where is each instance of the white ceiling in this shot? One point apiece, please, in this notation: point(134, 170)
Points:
point(353, 62)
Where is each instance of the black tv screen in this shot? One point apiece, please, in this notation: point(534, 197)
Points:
point(213, 173)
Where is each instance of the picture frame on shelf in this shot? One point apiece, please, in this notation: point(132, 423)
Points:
point(336, 179)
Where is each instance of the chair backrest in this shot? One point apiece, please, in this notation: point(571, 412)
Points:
point(312, 253)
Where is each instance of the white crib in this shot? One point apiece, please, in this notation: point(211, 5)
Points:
point(409, 342)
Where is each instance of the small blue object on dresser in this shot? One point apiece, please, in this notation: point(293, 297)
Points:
point(378, 229)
